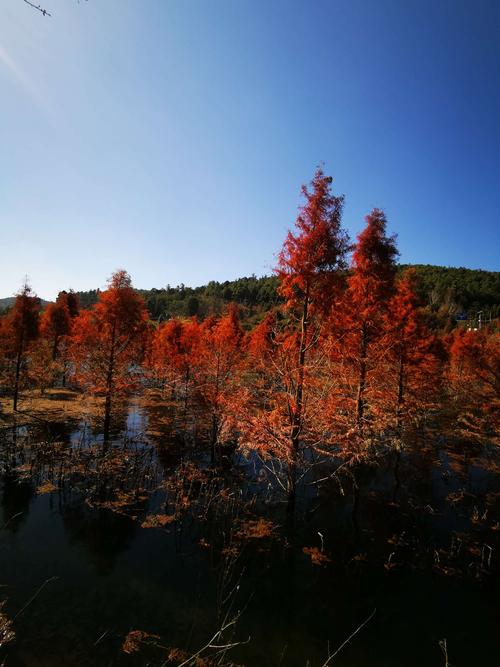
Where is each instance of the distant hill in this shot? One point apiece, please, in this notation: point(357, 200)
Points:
point(448, 293)
point(7, 302)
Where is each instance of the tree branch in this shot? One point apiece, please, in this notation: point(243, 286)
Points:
point(38, 8)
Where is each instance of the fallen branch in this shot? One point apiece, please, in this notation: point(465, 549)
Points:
point(330, 658)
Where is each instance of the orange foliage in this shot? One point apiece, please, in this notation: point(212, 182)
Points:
point(109, 337)
point(410, 378)
point(20, 327)
point(174, 353)
point(56, 320)
point(220, 355)
point(357, 327)
point(310, 261)
point(474, 375)
point(107, 342)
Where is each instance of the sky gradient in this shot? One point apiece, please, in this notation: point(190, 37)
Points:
point(171, 137)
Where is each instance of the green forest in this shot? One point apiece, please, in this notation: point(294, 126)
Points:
point(448, 294)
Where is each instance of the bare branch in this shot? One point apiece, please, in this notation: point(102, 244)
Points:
point(38, 8)
point(360, 627)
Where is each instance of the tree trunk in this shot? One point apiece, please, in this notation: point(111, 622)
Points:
point(213, 439)
point(18, 373)
point(299, 401)
point(399, 407)
point(54, 348)
point(356, 497)
point(186, 386)
point(19, 357)
point(109, 385)
point(215, 424)
point(397, 480)
point(360, 401)
point(299, 392)
point(292, 482)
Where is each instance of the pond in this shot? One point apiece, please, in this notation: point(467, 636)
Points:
point(143, 535)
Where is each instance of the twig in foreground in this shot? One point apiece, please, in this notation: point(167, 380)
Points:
point(360, 627)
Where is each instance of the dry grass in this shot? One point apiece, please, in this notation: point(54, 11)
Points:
point(55, 405)
point(134, 639)
point(158, 520)
point(255, 529)
point(6, 632)
point(46, 487)
point(317, 556)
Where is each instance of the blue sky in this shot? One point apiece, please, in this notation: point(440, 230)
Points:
point(171, 137)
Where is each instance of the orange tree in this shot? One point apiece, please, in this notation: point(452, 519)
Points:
point(174, 352)
point(107, 341)
point(275, 412)
point(20, 327)
point(357, 327)
point(220, 353)
point(56, 319)
point(474, 375)
point(48, 359)
point(410, 376)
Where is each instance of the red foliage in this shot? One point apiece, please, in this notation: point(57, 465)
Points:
point(311, 260)
point(276, 411)
point(261, 341)
point(474, 376)
point(56, 322)
point(410, 379)
point(357, 326)
point(19, 329)
point(220, 355)
point(107, 342)
point(174, 352)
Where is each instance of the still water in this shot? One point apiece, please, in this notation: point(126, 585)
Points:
point(84, 558)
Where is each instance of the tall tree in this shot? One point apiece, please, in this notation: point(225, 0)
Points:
point(109, 339)
point(56, 322)
point(48, 360)
point(174, 353)
point(220, 353)
point(310, 272)
point(474, 376)
point(21, 327)
point(411, 376)
point(358, 324)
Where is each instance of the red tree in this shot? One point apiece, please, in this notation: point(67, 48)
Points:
point(56, 322)
point(174, 353)
point(20, 328)
point(220, 353)
point(411, 376)
point(358, 325)
point(474, 376)
point(48, 360)
point(276, 410)
point(310, 270)
point(108, 341)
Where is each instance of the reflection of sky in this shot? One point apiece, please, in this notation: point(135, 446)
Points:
point(137, 420)
point(173, 139)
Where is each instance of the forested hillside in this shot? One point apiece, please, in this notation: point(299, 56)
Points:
point(447, 293)
point(9, 301)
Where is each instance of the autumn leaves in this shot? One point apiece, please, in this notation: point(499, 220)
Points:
point(346, 361)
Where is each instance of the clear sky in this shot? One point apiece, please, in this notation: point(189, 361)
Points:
point(171, 137)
